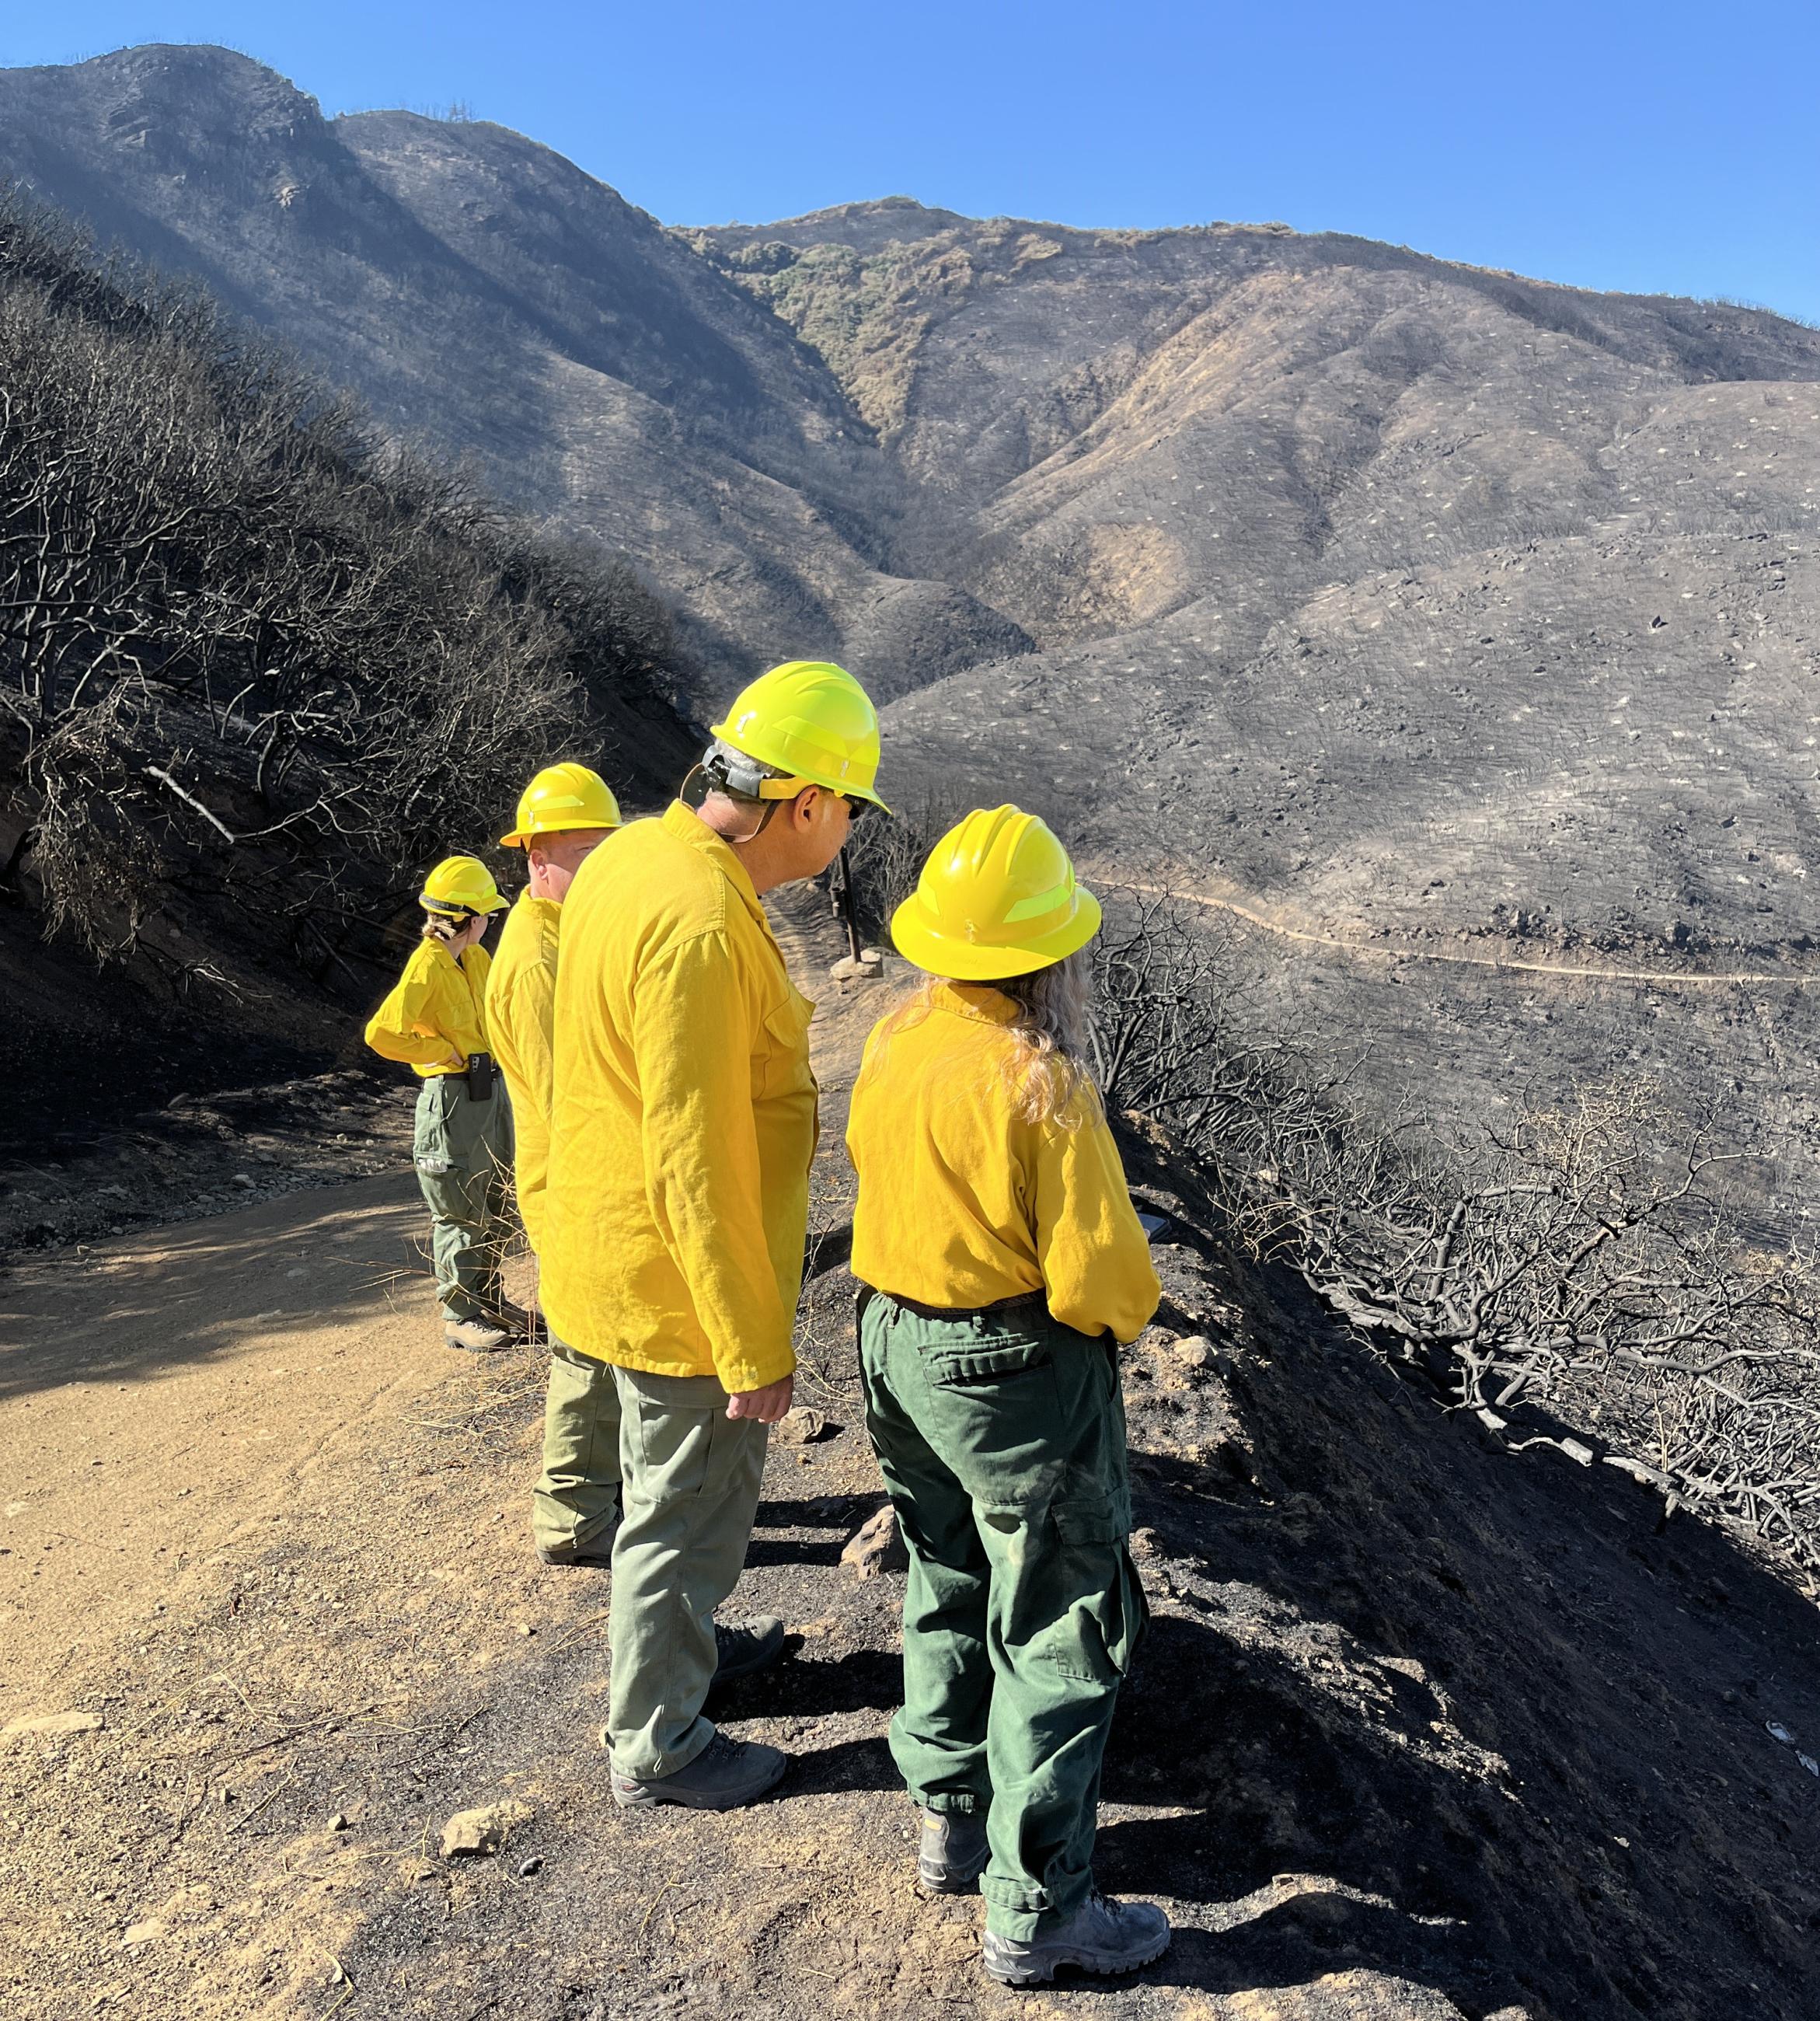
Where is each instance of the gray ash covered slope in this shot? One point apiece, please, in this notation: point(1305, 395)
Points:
point(1420, 572)
point(483, 294)
point(1433, 608)
point(1417, 572)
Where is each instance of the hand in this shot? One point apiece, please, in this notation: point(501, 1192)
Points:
point(767, 1405)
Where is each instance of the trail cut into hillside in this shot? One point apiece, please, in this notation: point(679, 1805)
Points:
point(1391, 945)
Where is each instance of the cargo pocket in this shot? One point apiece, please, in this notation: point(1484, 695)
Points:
point(676, 1447)
point(1099, 1634)
point(432, 1151)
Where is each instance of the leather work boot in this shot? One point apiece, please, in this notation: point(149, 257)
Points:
point(515, 1318)
point(1102, 1935)
point(727, 1774)
point(952, 1855)
point(475, 1336)
point(747, 1646)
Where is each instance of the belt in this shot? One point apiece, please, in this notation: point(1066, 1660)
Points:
point(1018, 1303)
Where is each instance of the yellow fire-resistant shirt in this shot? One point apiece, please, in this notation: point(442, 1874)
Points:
point(520, 1011)
point(962, 1203)
point(437, 1015)
point(684, 1117)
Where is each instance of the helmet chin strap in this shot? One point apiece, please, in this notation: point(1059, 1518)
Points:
point(722, 776)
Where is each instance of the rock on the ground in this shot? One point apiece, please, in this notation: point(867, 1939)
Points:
point(52, 1722)
point(1195, 1351)
point(802, 1426)
point(483, 1830)
point(876, 1546)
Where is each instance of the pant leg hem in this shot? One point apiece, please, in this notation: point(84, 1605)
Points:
point(962, 1802)
point(669, 1763)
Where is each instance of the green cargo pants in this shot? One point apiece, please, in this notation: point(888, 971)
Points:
point(577, 1502)
point(463, 1151)
point(1001, 1438)
point(689, 1491)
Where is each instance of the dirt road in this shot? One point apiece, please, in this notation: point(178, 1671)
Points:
point(165, 1400)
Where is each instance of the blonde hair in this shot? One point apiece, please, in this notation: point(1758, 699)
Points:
point(1049, 1068)
point(441, 926)
point(1046, 1070)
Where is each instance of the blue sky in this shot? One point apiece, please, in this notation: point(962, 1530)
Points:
point(1663, 147)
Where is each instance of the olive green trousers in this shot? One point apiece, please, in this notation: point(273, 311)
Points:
point(1001, 1435)
point(576, 1504)
point(689, 1491)
point(463, 1151)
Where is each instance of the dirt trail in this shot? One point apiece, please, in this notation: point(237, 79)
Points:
point(166, 1399)
point(1403, 950)
point(1391, 1754)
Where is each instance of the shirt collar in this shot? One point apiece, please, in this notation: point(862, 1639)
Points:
point(983, 1004)
point(687, 825)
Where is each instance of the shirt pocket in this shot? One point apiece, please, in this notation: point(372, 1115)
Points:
point(780, 1060)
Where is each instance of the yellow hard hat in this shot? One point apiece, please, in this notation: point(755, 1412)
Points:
point(461, 884)
point(815, 722)
point(996, 898)
point(563, 797)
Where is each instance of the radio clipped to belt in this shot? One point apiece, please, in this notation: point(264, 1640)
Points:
point(480, 1076)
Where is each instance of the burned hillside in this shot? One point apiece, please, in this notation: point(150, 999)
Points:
point(258, 668)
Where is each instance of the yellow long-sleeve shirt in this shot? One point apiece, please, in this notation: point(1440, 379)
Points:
point(437, 1014)
point(963, 1203)
point(521, 1012)
point(684, 1115)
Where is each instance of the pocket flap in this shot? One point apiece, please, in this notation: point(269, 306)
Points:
point(957, 1367)
point(1093, 1519)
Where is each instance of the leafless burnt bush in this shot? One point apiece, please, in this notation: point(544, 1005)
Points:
point(1582, 1263)
point(250, 657)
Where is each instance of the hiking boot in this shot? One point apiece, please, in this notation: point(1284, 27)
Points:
point(515, 1318)
point(592, 1551)
point(475, 1336)
point(725, 1774)
point(1102, 1935)
point(747, 1646)
point(952, 1855)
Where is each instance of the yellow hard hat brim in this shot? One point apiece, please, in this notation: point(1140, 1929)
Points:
point(979, 961)
point(454, 908)
point(788, 789)
point(519, 836)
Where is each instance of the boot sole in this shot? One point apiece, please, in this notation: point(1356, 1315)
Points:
point(1096, 1962)
point(645, 1797)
